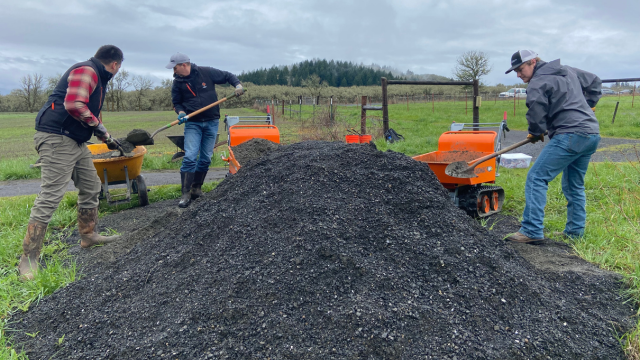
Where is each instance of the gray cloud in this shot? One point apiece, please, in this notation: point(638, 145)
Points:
point(425, 36)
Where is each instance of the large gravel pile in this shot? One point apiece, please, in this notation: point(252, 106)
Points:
point(327, 251)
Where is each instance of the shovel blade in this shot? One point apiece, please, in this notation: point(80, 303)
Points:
point(460, 169)
point(139, 137)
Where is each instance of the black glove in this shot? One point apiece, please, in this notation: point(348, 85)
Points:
point(535, 138)
point(101, 132)
point(112, 143)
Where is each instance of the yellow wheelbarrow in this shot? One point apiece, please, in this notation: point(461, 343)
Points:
point(121, 170)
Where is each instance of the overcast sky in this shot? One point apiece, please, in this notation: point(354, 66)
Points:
point(425, 36)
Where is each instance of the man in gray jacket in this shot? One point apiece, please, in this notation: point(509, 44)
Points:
point(561, 102)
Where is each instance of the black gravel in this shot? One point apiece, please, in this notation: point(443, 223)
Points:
point(252, 149)
point(127, 147)
point(327, 251)
point(139, 137)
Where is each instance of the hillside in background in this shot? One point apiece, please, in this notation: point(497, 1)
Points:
point(333, 73)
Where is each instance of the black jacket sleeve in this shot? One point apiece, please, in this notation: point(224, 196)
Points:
point(222, 77)
point(176, 98)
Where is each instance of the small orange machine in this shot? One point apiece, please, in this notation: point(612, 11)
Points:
point(240, 133)
point(470, 194)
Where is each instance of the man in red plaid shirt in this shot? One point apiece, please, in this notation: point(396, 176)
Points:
point(65, 123)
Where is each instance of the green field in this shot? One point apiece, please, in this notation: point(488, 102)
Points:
point(613, 189)
point(17, 130)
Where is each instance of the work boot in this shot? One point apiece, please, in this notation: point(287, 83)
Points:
point(31, 245)
point(87, 223)
point(187, 181)
point(524, 239)
point(196, 187)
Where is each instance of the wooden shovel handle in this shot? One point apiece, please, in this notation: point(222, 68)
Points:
point(507, 149)
point(208, 107)
point(175, 122)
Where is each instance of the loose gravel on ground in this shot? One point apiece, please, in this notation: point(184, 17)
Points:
point(323, 250)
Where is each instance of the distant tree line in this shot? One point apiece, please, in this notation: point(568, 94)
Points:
point(125, 92)
point(332, 73)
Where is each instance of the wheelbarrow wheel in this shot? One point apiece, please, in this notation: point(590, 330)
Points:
point(143, 195)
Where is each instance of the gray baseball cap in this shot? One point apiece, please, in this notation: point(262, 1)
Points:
point(520, 57)
point(176, 59)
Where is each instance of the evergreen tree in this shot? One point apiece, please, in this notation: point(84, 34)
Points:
point(332, 73)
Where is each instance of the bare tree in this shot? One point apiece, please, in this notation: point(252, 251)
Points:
point(120, 84)
point(142, 85)
point(52, 82)
point(472, 65)
point(314, 84)
point(165, 94)
point(31, 90)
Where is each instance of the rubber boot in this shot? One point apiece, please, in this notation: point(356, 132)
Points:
point(31, 245)
point(187, 181)
point(87, 223)
point(196, 187)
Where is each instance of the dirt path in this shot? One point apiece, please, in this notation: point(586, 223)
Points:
point(152, 178)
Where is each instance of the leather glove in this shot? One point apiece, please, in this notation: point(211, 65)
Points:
point(101, 132)
point(593, 109)
point(535, 138)
point(182, 118)
point(112, 143)
point(239, 90)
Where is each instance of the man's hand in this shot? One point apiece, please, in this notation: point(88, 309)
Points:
point(239, 90)
point(535, 138)
point(101, 132)
point(112, 143)
point(182, 118)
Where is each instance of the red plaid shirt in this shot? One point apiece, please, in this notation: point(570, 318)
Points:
point(82, 82)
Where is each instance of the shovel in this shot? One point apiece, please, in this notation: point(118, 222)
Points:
point(463, 169)
point(194, 113)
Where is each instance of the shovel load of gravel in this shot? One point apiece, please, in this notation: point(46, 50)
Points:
point(324, 250)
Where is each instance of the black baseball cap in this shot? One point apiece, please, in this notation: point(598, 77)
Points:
point(520, 57)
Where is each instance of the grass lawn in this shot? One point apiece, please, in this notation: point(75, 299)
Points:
point(17, 130)
point(613, 190)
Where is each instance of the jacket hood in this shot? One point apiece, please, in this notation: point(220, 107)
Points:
point(194, 71)
point(551, 68)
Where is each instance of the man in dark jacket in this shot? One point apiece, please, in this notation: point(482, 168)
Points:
point(194, 88)
point(65, 123)
point(561, 101)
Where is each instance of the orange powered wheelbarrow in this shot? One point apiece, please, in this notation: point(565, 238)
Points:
point(121, 170)
point(239, 133)
point(474, 195)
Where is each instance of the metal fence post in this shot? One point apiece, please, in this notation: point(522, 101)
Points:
point(476, 108)
point(385, 108)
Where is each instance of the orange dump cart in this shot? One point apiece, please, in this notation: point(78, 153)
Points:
point(470, 194)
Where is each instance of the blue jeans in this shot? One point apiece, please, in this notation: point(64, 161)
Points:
point(568, 153)
point(199, 139)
